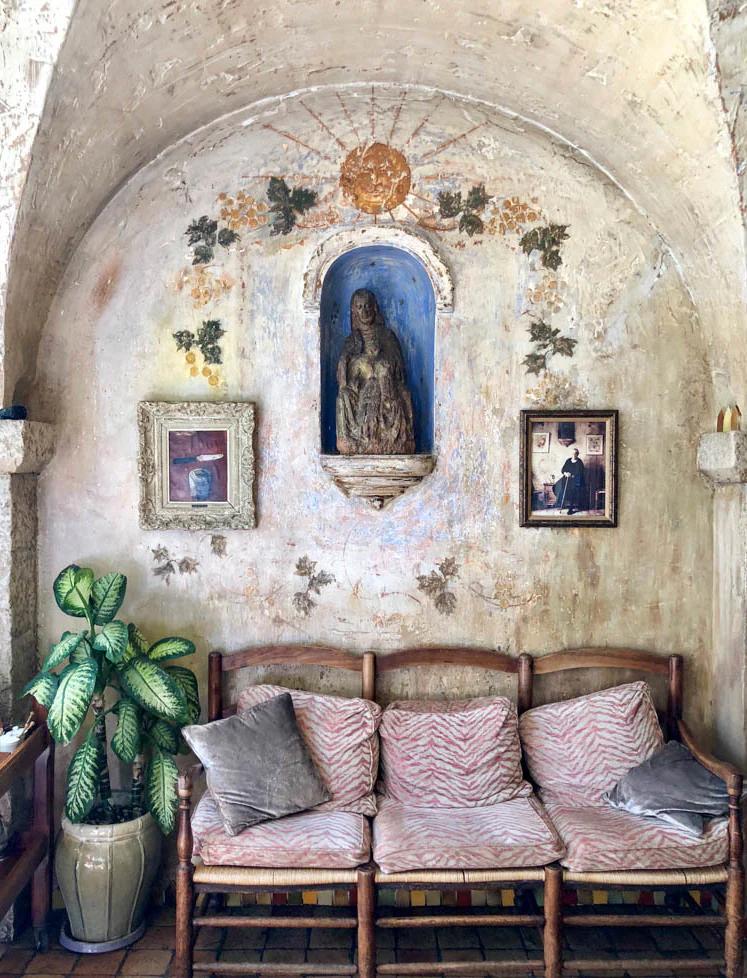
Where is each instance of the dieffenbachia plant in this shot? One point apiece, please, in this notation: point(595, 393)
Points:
point(109, 667)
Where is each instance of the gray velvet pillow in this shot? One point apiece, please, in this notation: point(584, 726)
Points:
point(671, 785)
point(258, 767)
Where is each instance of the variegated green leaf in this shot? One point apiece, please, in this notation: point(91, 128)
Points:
point(160, 789)
point(72, 699)
point(72, 590)
point(137, 643)
point(63, 649)
point(153, 689)
point(165, 736)
point(126, 739)
point(82, 653)
point(83, 780)
point(112, 640)
point(186, 680)
point(42, 687)
point(170, 648)
point(107, 596)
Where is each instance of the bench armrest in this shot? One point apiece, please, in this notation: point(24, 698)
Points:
point(727, 772)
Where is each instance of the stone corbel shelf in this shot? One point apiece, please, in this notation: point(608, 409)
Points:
point(378, 479)
point(722, 457)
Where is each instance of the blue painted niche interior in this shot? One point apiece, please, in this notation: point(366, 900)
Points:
point(406, 299)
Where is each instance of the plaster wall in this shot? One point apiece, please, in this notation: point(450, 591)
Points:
point(109, 342)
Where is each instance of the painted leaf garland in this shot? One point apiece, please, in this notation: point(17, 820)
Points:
point(82, 780)
point(126, 739)
point(160, 789)
point(43, 688)
point(107, 595)
point(170, 648)
point(72, 590)
point(72, 699)
point(153, 689)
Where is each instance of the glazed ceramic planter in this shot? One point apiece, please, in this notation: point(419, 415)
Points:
point(106, 873)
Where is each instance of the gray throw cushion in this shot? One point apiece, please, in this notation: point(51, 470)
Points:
point(673, 786)
point(257, 765)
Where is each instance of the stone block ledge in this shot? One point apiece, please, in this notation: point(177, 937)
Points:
point(722, 457)
point(25, 446)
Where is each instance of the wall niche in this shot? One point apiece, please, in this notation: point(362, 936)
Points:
point(403, 287)
point(411, 285)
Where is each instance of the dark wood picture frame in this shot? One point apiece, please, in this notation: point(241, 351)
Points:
point(609, 492)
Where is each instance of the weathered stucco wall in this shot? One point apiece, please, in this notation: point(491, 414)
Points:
point(109, 342)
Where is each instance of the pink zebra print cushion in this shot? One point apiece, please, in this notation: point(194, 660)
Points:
point(513, 834)
point(341, 736)
point(601, 838)
point(581, 748)
point(458, 754)
point(331, 840)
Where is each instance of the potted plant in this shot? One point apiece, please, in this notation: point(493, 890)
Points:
point(110, 849)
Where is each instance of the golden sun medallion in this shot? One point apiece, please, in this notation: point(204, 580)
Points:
point(376, 178)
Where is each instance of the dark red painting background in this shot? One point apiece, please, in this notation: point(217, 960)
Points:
point(200, 442)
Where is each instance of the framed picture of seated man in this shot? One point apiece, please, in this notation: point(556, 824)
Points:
point(568, 468)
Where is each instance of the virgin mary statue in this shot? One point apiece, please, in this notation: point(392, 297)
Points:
point(374, 406)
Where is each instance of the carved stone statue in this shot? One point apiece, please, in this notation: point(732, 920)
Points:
point(374, 406)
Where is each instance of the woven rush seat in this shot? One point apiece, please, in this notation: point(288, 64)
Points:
point(512, 834)
point(601, 838)
point(328, 840)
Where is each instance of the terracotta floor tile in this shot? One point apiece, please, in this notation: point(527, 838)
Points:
point(53, 962)
point(15, 960)
point(156, 937)
point(99, 964)
point(146, 963)
point(201, 956)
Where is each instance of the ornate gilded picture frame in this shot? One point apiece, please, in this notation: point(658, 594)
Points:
point(568, 468)
point(196, 465)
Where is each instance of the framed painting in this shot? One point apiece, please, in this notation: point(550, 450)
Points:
point(568, 465)
point(196, 465)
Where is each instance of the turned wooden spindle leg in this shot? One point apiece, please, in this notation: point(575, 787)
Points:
point(366, 922)
point(184, 890)
point(553, 931)
point(733, 947)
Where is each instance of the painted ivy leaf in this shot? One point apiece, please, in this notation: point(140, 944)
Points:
point(112, 640)
point(165, 736)
point(170, 648)
point(305, 567)
point(218, 544)
point(188, 565)
point(62, 650)
point(564, 346)
point(449, 567)
point(152, 689)
point(42, 687)
point(227, 237)
point(445, 602)
point(107, 596)
point(303, 603)
point(72, 700)
point(72, 590)
point(320, 580)
point(535, 363)
point(83, 779)
point(126, 739)
point(160, 789)
point(449, 204)
point(187, 682)
point(471, 224)
point(477, 199)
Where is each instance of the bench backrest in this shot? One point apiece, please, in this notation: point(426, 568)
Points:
point(524, 666)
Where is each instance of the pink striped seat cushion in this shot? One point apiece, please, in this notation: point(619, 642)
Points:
point(512, 834)
point(587, 744)
point(314, 839)
point(341, 735)
point(451, 754)
point(601, 838)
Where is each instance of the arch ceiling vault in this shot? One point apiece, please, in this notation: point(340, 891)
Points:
point(630, 87)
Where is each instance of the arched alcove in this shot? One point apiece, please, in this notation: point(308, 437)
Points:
point(405, 296)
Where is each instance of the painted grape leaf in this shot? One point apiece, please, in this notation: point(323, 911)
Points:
point(42, 687)
point(126, 739)
point(112, 640)
point(72, 700)
point(62, 650)
point(82, 779)
point(107, 596)
point(72, 590)
point(160, 789)
point(170, 648)
point(153, 689)
point(187, 682)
